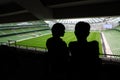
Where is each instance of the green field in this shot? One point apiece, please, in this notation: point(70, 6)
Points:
point(113, 38)
point(23, 36)
point(69, 36)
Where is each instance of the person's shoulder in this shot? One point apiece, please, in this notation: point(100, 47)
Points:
point(50, 38)
point(72, 43)
point(94, 43)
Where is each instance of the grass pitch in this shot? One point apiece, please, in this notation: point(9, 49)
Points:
point(69, 36)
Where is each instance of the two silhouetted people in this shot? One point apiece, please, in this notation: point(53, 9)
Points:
point(85, 60)
point(57, 52)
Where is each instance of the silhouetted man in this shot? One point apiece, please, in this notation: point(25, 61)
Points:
point(85, 55)
point(57, 52)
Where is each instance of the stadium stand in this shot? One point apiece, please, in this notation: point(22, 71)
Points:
point(6, 30)
point(26, 63)
point(18, 64)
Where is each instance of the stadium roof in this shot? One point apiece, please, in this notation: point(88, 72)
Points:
point(92, 20)
point(29, 10)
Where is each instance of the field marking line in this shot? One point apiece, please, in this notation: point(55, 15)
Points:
point(31, 37)
point(107, 47)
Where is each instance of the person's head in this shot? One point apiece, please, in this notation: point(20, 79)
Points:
point(82, 30)
point(58, 30)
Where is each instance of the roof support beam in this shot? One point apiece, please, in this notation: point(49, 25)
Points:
point(36, 8)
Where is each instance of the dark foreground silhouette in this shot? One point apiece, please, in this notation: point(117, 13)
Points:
point(85, 59)
point(22, 64)
point(57, 53)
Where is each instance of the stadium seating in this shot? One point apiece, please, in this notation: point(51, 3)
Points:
point(7, 31)
point(18, 63)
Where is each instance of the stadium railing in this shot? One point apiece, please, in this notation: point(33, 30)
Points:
point(12, 43)
point(110, 57)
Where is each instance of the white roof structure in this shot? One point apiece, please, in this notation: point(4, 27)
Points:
point(94, 22)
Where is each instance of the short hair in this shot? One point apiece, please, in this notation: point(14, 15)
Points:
point(82, 27)
point(57, 28)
